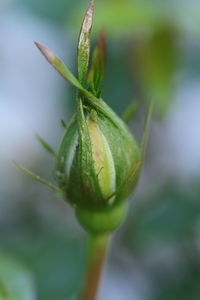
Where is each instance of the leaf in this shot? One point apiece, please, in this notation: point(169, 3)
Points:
point(97, 69)
point(16, 280)
point(84, 43)
point(59, 65)
point(3, 291)
point(156, 59)
point(45, 145)
point(130, 111)
point(39, 179)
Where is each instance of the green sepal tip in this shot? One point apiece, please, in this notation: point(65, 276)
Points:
point(45, 145)
point(54, 188)
point(97, 69)
point(58, 65)
point(84, 43)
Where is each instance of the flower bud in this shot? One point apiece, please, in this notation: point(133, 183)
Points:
point(96, 160)
point(97, 167)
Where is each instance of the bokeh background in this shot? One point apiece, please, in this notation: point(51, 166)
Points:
point(153, 50)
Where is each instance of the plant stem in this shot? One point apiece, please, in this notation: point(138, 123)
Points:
point(98, 245)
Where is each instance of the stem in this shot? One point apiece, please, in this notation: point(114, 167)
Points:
point(96, 257)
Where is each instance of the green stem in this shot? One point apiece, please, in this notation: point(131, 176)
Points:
point(96, 257)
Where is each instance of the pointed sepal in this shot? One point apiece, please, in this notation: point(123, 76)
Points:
point(58, 65)
point(54, 188)
point(97, 69)
point(45, 145)
point(84, 43)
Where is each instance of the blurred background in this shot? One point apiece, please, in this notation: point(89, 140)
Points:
point(153, 50)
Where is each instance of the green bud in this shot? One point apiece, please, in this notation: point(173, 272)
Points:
point(96, 160)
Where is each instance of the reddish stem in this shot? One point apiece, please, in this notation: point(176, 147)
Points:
point(97, 253)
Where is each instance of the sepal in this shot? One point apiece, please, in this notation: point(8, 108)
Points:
point(45, 145)
point(54, 188)
point(84, 43)
point(97, 68)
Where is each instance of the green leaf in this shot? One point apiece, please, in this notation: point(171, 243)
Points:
point(59, 65)
point(16, 283)
point(84, 43)
point(3, 291)
point(97, 69)
point(39, 179)
point(45, 145)
point(157, 58)
point(130, 111)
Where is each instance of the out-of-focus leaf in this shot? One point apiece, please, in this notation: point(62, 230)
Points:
point(187, 288)
point(16, 280)
point(97, 69)
point(122, 16)
point(3, 292)
point(84, 43)
point(170, 215)
point(155, 64)
point(56, 259)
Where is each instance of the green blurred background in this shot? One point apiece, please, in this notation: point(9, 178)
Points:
point(153, 50)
